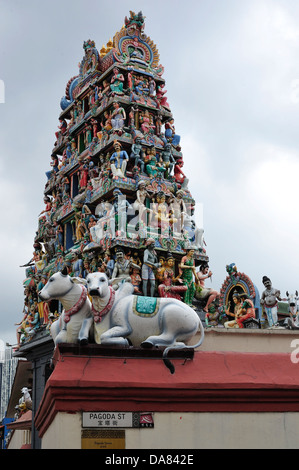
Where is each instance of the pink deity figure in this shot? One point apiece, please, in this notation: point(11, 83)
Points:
point(84, 173)
point(162, 100)
point(167, 287)
point(136, 280)
point(179, 175)
point(130, 80)
point(94, 123)
point(146, 122)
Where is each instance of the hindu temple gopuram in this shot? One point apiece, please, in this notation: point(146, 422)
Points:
point(116, 299)
point(116, 191)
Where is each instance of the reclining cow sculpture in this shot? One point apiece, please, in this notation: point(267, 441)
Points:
point(119, 319)
point(76, 320)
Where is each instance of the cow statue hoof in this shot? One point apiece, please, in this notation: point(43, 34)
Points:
point(147, 344)
point(83, 342)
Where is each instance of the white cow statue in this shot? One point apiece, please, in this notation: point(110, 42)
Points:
point(76, 320)
point(121, 318)
point(293, 321)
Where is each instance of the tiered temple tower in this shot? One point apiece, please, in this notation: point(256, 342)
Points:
point(116, 184)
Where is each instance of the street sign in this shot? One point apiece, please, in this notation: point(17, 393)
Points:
point(116, 419)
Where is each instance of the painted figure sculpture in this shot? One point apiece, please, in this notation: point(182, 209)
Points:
point(167, 288)
point(150, 264)
point(118, 161)
point(187, 273)
point(203, 292)
point(243, 310)
point(269, 301)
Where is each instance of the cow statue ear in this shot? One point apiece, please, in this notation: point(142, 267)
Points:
point(64, 271)
point(79, 280)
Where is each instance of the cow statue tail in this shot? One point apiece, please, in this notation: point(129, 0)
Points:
point(168, 363)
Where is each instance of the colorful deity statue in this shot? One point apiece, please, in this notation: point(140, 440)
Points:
point(146, 122)
point(269, 299)
point(121, 207)
point(168, 159)
point(232, 271)
point(136, 259)
point(179, 209)
point(243, 310)
point(118, 161)
point(203, 292)
point(187, 273)
point(163, 216)
point(118, 117)
point(62, 128)
point(137, 154)
point(179, 175)
point(167, 287)
point(150, 264)
point(122, 268)
point(153, 169)
point(141, 195)
point(170, 134)
point(160, 271)
point(212, 316)
point(106, 126)
point(84, 176)
point(77, 265)
point(136, 280)
point(117, 82)
point(161, 99)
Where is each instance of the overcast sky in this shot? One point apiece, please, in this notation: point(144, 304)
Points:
point(232, 80)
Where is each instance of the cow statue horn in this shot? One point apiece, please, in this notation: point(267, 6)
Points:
point(64, 271)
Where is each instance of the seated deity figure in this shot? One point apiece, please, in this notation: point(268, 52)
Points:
point(122, 268)
point(118, 160)
point(105, 226)
point(118, 117)
point(170, 133)
point(243, 310)
point(203, 292)
point(136, 280)
point(163, 216)
point(179, 176)
point(139, 203)
point(179, 209)
point(168, 279)
point(120, 209)
point(153, 169)
point(117, 82)
point(195, 234)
